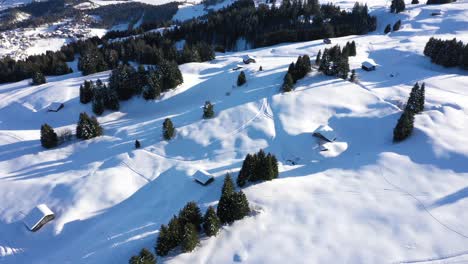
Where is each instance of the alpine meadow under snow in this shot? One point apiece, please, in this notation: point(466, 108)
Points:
point(364, 200)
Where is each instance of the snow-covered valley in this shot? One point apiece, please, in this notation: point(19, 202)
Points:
point(365, 200)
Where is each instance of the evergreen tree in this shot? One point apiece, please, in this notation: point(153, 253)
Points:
point(152, 89)
point(98, 102)
point(342, 66)
point(288, 83)
point(404, 127)
point(175, 231)
point(397, 6)
point(137, 144)
point(88, 127)
point(168, 129)
point(388, 28)
point(397, 25)
point(412, 104)
point(190, 238)
point(191, 214)
point(163, 242)
point(110, 99)
point(49, 138)
point(260, 68)
point(225, 205)
point(421, 97)
point(415, 2)
point(145, 257)
point(38, 78)
point(208, 110)
point(240, 206)
point(241, 79)
point(318, 58)
point(246, 171)
point(292, 71)
point(211, 223)
point(86, 92)
point(353, 76)
point(352, 49)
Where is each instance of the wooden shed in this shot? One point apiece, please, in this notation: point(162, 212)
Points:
point(203, 177)
point(248, 59)
point(38, 217)
point(368, 66)
point(55, 107)
point(325, 133)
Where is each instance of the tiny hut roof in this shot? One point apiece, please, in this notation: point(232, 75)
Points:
point(203, 177)
point(368, 64)
point(325, 132)
point(248, 57)
point(36, 215)
point(55, 106)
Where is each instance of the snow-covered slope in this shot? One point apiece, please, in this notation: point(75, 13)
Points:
point(366, 200)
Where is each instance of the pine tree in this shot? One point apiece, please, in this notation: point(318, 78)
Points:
point(292, 71)
point(412, 104)
point(152, 89)
point(190, 238)
point(404, 127)
point(388, 28)
point(288, 83)
point(88, 127)
point(342, 66)
point(168, 129)
point(421, 97)
point(145, 257)
point(225, 205)
point(38, 78)
point(415, 2)
point(163, 242)
point(397, 6)
point(241, 79)
point(137, 144)
point(208, 110)
point(260, 68)
point(352, 49)
point(86, 92)
point(211, 223)
point(240, 206)
point(98, 102)
point(353, 76)
point(110, 99)
point(246, 171)
point(49, 138)
point(175, 231)
point(191, 214)
point(397, 25)
point(318, 58)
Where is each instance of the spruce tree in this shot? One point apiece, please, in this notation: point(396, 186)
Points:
point(415, 2)
point(388, 28)
point(86, 92)
point(190, 238)
point(168, 129)
point(421, 97)
point(38, 78)
point(342, 66)
point(397, 6)
point(260, 68)
point(191, 214)
point(404, 127)
point(175, 231)
point(163, 242)
point(288, 83)
point(208, 110)
point(241, 79)
point(292, 71)
point(145, 257)
point(240, 206)
point(226, 202)
point(152, 89)
point(412, 104)
point(49, 138)
point(137, 144)
point(246, 171)
point(352, 49)
point(397, 25)
point(318, 58)
point(88, 127)
point(352, 78)
point(98, 102)
point(211, 223)
point(110, 99)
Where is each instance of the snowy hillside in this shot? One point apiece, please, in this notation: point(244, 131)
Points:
point(366, 200)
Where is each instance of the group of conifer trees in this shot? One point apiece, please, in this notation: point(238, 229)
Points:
point(395, 27)
point(125, 82)
point(415, 105)
point(334, 61)
point(184, 229)
point(448, 53)
point(296, 71)
point(86, 128)
point(258, 167)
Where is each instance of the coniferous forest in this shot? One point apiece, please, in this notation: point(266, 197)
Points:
point(448, 53)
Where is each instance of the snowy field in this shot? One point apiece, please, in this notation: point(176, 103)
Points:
point(366, 200)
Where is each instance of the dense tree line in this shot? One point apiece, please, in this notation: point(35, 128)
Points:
point(415, 105)
point(258, 167)
point(335, 62)
point(263, 26)
point(448, 53)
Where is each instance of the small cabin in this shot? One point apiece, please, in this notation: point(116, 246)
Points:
point(247, 59)
point(38, 217)
point(327, 41)
point(436, 13)
point(325, 133)
point(55, 107)
point(203, 177)
point(368, 66)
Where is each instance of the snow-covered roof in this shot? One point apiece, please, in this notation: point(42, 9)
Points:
point(203, 177)
point(247, 57)
point(55, 106)
point(36, 215)
point(325, 132)
point(368, 64)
